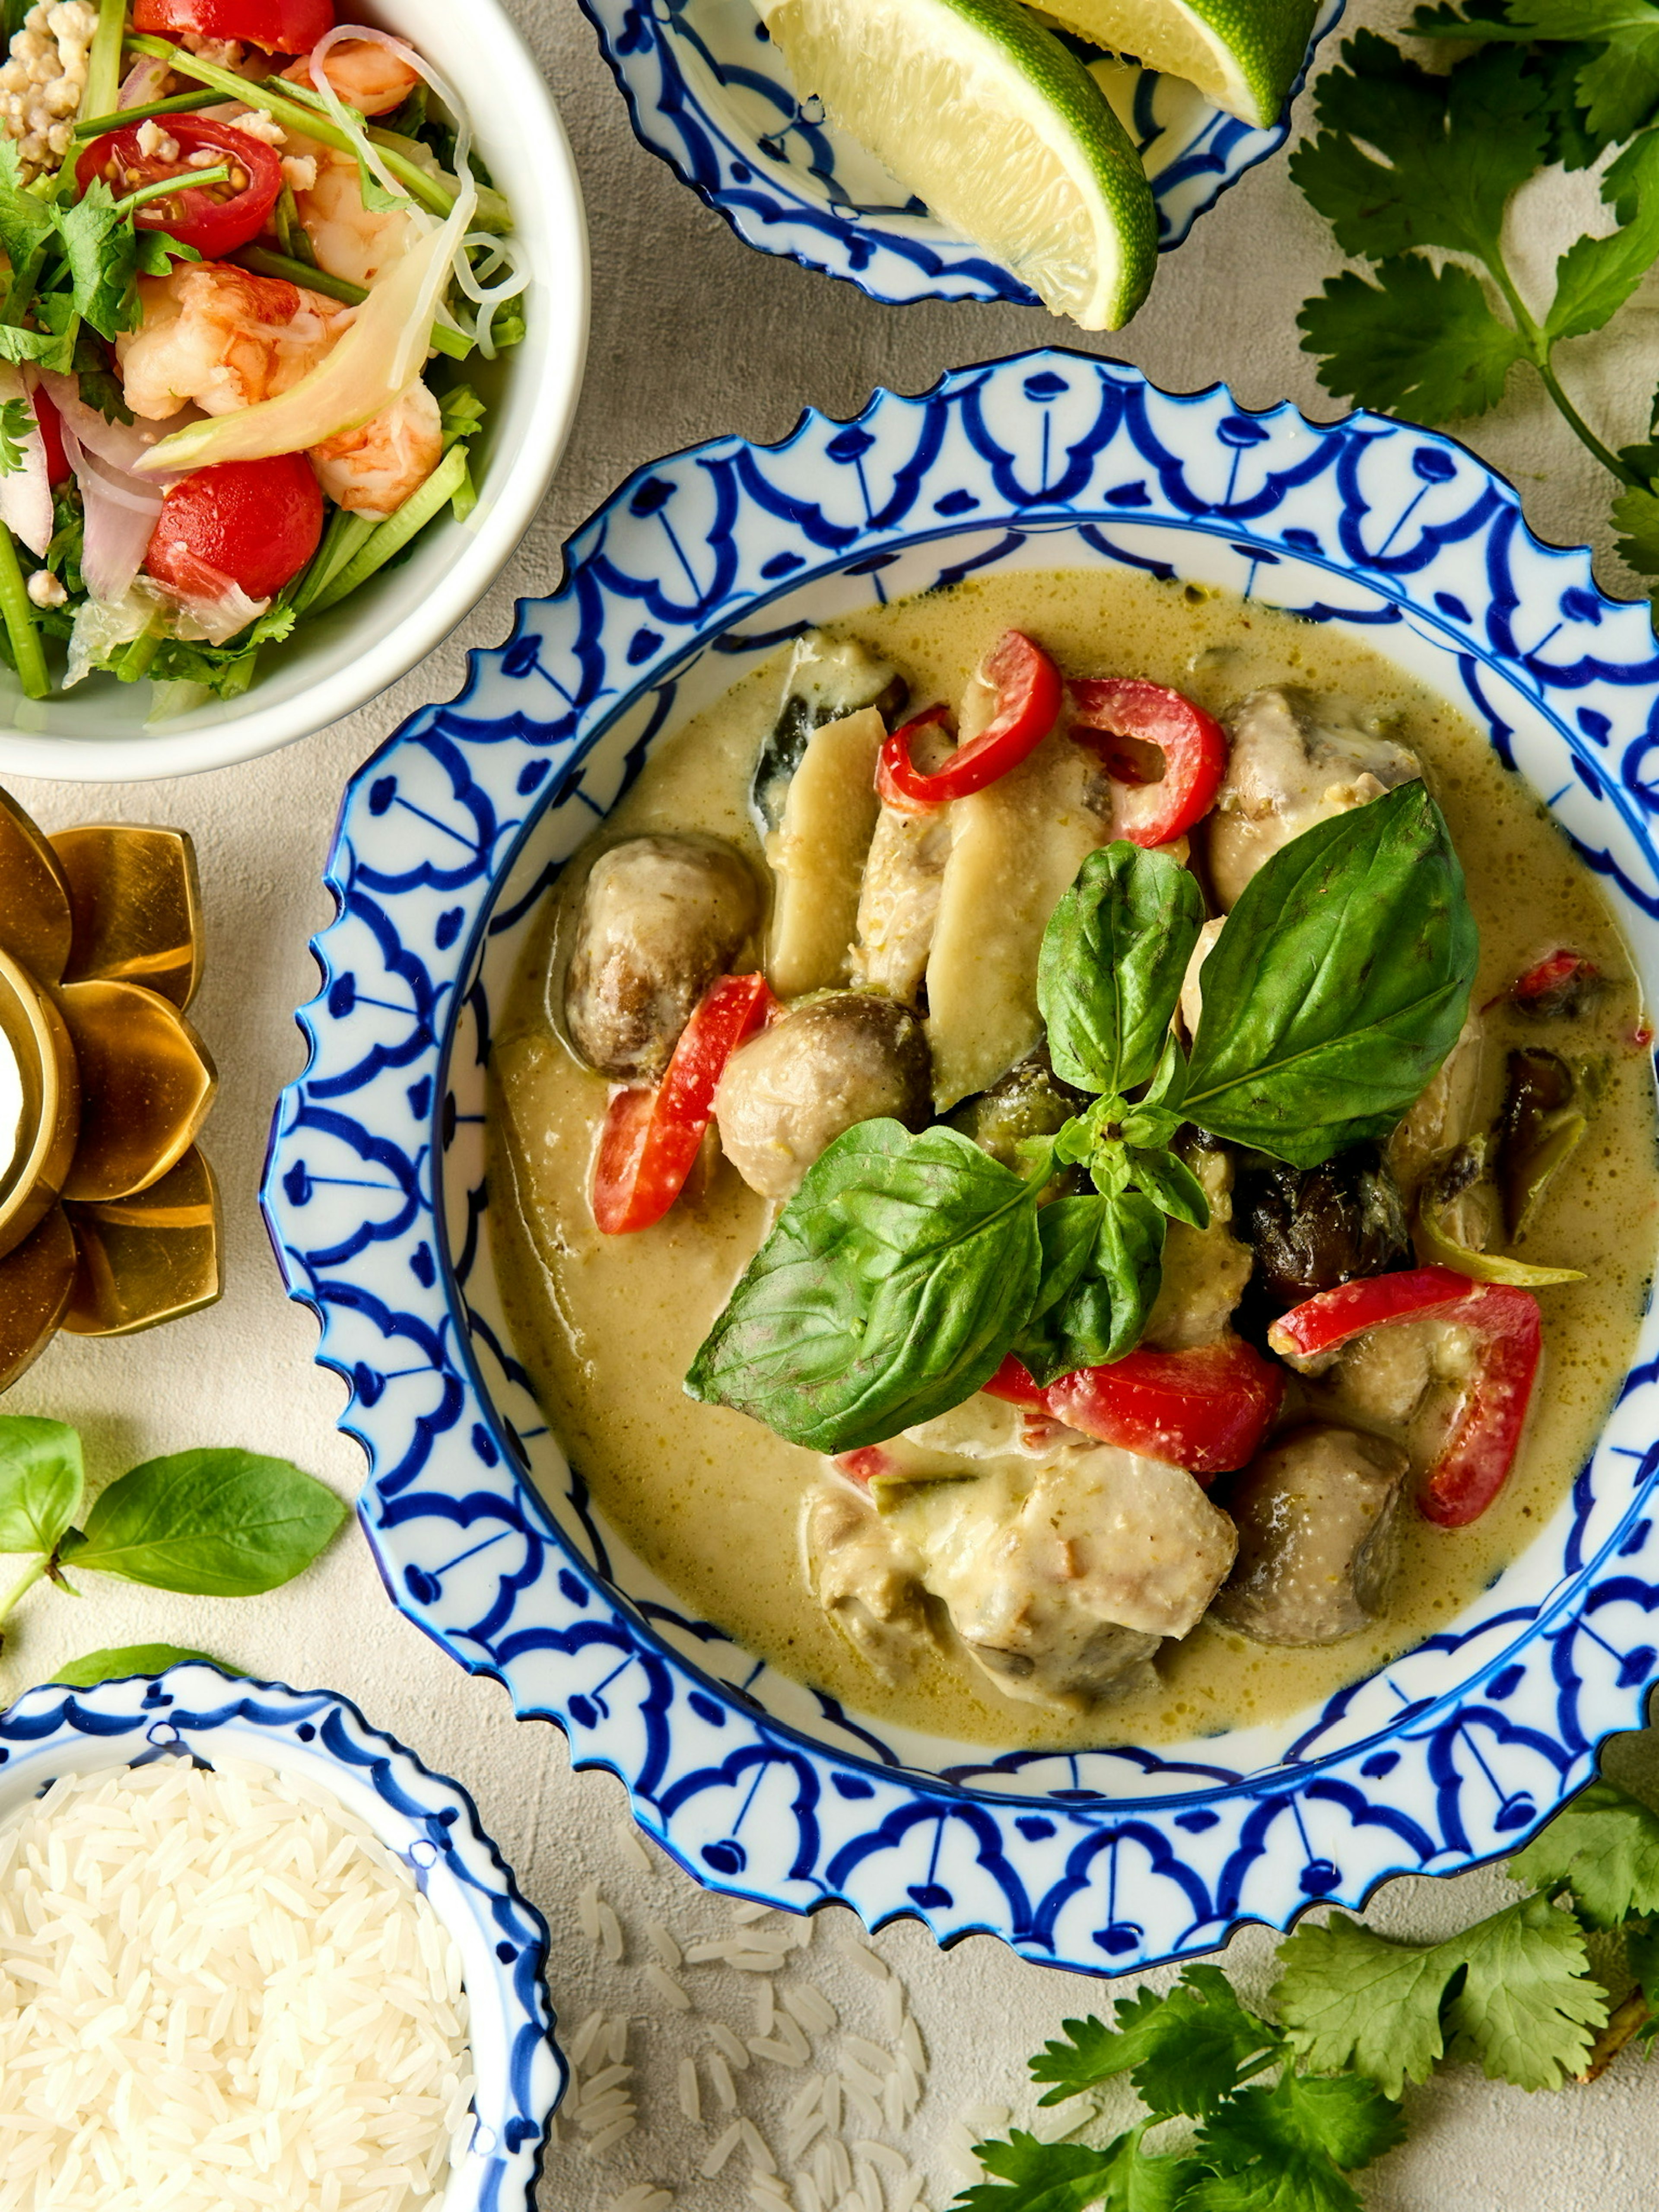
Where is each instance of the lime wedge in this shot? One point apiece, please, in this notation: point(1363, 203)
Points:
point(1243, 55)
point(988, 119)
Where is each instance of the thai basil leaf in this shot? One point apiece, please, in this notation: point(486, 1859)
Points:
point(1095, 1308)
point(1113, 960)
point(1171, 1186)
point(1338, 985)
point(224, 1523)
point(40, 1482)
point(890, 1290)
point(93, 1667)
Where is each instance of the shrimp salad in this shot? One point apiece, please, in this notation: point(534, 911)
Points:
point(249, 252)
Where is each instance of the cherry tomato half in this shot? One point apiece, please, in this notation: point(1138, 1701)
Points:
point(256, 522)
point(281, 26)
point(216, 219)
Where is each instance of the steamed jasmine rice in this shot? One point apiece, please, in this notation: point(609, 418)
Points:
point(219, 1991)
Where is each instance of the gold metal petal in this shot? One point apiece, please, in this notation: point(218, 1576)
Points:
point(35, 1283)
point(39, 1103)
point(149, 1258)
point(35, 923)
point(137, 907)
point(146, 1086)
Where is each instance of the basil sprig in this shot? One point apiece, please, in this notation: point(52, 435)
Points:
point(215, 1523)
point(906, 1268)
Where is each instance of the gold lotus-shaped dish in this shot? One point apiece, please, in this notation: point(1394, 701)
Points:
point(109, 1215)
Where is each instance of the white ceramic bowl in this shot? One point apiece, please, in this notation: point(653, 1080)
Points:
point(97, 732)
point(426, 1819)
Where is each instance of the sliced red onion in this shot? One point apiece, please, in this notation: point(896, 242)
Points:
point(25, 494)
point(145, 82)
point(122, 445)
point(121, 514)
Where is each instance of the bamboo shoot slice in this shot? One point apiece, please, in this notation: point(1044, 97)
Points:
point(818, 855)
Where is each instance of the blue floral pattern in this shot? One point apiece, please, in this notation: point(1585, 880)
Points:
point(377, 1198)
point(708, 91)
point(432, 1824)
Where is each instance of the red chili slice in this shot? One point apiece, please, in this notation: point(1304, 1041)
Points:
point(216, 219)
point(1028, 688)
point(1206, 1410)
point(1194, 744)
point(1475, 1462)
point(281, 26)
point(254, 522)
point(51, 437)
point(651, 1137)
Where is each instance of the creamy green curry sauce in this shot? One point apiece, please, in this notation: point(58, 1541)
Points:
point(607, 1326)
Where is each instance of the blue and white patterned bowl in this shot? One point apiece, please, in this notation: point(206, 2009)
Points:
point(450, 838)
point(430, 1823)
point(708, 91)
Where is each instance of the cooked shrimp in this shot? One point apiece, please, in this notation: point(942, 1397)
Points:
point(221, 338)
point(366, 75)
point(373, 470)
point(347, 239)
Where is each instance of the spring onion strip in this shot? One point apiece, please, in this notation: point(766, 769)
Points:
point(395, 533)
point(182, 103)
point(264, 263)
point(436, 194)
point(345, 537)
point(102, 87)
point(18, 615)
point(164, 187)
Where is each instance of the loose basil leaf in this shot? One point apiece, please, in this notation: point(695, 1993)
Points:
point(890, 1290)
point(40, 1482)
point(1171, 1186)
point(1113, 960)
point(93, 1667)
point(1338, 985)
point(1101, 1311)
point(215, 1523)
point(1155, 1116)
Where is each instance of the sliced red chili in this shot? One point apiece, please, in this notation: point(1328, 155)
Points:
point(651, 1137)
point(1475, 1462)
point(1205, 1410)
point(1194, 746)
point(216, 219)
point(281, 26)
point(1029, 689)
point(1561, 983)
point(51, 437)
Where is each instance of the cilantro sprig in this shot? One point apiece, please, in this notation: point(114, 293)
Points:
point(1243, 2113)
point(1415, 171)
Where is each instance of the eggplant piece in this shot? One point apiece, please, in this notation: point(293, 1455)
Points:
point(823, 1064)
point(1543, 1123)
point(827, 678)
point(1312, 1228)
point(1030, 1101)
point(1563, 985)
point(1457, 1211)
point(1316, 1516)
point(661, 918)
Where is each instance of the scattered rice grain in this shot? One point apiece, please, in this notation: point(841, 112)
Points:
point(582, 2041)
point(587, 1911)
point(746, 1915)
point(867, 1962)
point(831, 2102)
point(892, 2010)
point(904, 2197)
point(616, 2040)
point(666, 1990)
point(611, 1935)
point(882, 2154)
point(666, 1951)
point(801, 2137)
point(691, 2094)
point(809, 2005)
point(755, 2144)
point(869, 2054)
point(632, 1850)
point(765, 2046)
point(719, 2074)
point(731, 2045)
point(608, 2138)
point(807, 2194)
point(643, 2196)
point(862, 2102)
point(805, 2100)
point(867, 2188)
point(765, 2008)
point(723, 2146)
point(911, 2046)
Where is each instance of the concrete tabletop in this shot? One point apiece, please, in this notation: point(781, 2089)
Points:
point(694, 334)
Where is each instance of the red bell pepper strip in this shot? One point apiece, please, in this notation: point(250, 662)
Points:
point(1475, 1462)
point(1194, 746)
point(1206, 1410)
point(1029, 689)
point(651, 1137)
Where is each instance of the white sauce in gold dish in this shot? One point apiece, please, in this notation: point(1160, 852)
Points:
point(608, 1326)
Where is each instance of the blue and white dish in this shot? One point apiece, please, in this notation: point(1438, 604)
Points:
point(708, 91)
point(194, 1712)
point(377, 1198)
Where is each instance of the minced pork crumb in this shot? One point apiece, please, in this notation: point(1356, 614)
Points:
point(41, 81)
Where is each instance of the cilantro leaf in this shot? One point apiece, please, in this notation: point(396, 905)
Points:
point(1642, 1955)
point(17, 424)
point(1448, 150)
point(107, 254)
point(1290, 2149)
point(95, 371)
point(1421, 340)
point(1605, 1847)
point(1636, 514)
point(1039, 2177)
point(1595, 275)
point(1185, 2052)
point(1615, 46)
point(1514, 1994)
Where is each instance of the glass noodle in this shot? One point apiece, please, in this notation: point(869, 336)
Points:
point(501, 253)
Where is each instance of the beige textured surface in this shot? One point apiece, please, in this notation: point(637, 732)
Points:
point(693, 335)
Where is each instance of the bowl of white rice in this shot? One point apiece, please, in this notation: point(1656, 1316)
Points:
point(254, 1957)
